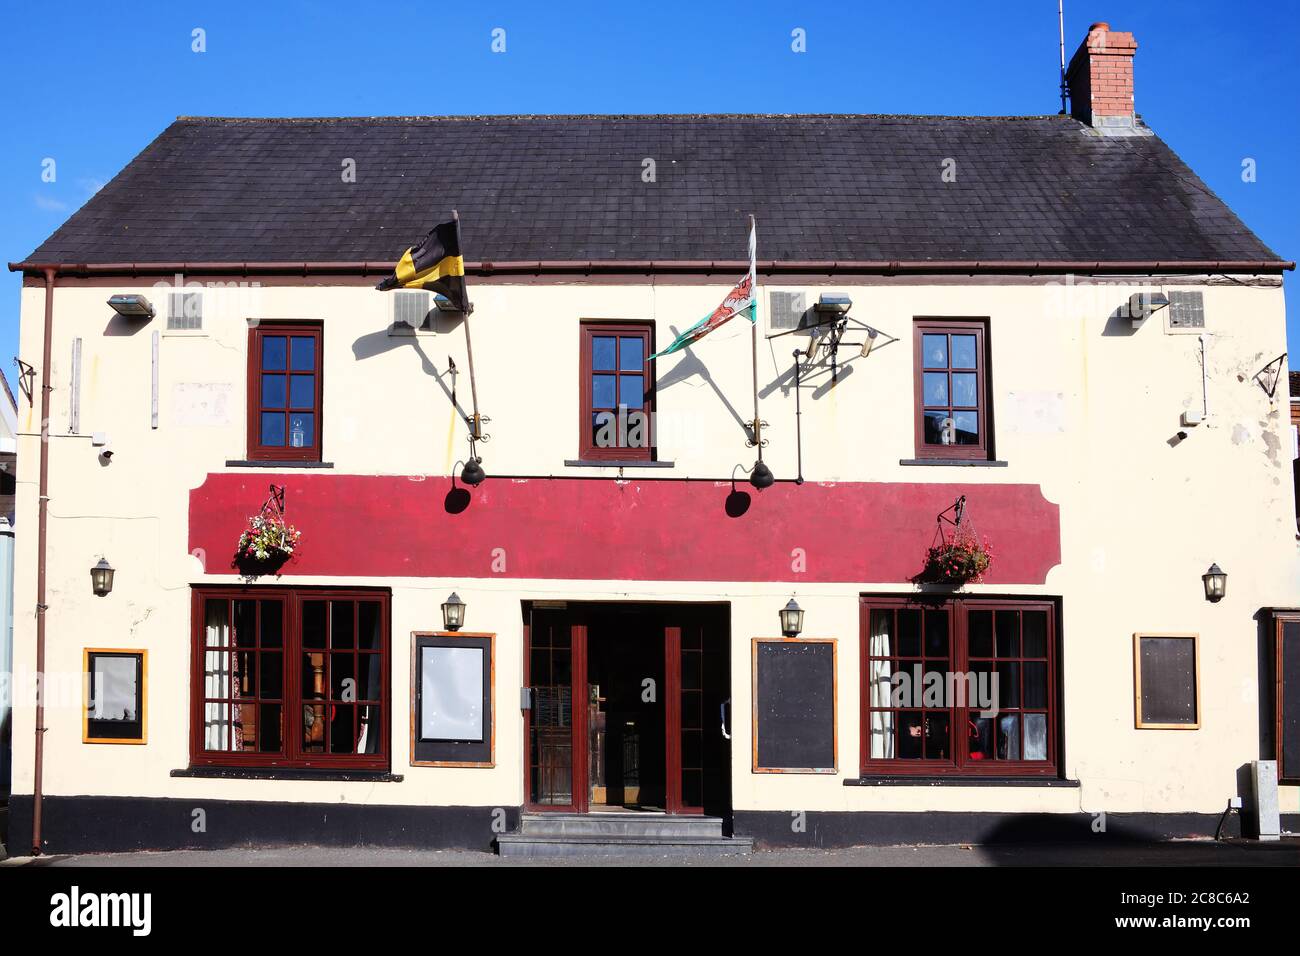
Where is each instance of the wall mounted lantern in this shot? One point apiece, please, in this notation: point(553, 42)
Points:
point(761, 476)
point(453, 613)
point(101, 578)
point(472, 474)
point(131, 305)
point(1141, 305)
point(1216, 583)
point(791, 619)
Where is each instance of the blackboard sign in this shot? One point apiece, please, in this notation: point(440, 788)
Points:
point(1166, 682)
point(1288, 698)
point(794, 698)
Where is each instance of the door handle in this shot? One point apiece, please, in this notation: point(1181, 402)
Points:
point(722, 717)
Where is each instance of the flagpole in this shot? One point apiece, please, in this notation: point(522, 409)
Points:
point(475, 422)
point(753, 339)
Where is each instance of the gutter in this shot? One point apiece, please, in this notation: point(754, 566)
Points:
point(683, 266)
point(43, 516)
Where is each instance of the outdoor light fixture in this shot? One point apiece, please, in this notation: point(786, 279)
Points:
point(791, 619)
point(132, 305)
point(472, 474)
point(1216, 583)
point(761, 477)
point(833, 303)
point(453, 613)
point(101, 578)
point(1141, 305)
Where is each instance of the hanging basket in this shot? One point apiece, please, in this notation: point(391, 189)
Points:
point(957, 558)
point(267, 544)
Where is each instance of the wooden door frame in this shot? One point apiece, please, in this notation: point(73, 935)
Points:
point(578, 802)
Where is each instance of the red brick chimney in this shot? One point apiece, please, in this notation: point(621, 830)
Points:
point(1100, 79)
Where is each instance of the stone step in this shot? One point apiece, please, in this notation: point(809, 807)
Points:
point(533, 847)
point(616, 825)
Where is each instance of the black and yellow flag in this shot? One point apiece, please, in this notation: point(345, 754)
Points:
point(435, 264)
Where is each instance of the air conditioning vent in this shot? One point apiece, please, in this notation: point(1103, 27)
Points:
point(184, 311)
point(411, 312)
point(1186, 310)
point(785, 310)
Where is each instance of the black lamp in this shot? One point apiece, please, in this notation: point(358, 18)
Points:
point(101, 578)
point(791, 619)
point(1216, 583)
point(453, 613)
point(472, 474)
point(761, 477)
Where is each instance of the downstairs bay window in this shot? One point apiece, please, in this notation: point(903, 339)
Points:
point(959, 686)
point(290, 677)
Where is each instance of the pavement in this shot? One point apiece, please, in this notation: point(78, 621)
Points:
point(1187, 853)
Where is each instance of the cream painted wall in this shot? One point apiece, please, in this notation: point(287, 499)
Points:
point(1085, 413)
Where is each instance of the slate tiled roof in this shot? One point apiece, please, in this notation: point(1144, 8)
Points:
point(571, 188)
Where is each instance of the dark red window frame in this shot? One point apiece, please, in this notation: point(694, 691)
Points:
point(590, 331)
point(261, 400)
point(963, 721)
point(983, 449)
point(288, 696)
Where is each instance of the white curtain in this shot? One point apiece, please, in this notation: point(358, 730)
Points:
point(218, 722)
point(880, 671)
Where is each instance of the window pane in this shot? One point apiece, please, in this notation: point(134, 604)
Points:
point(979, 627)
point(341, 635)
point(939, 429)
point(302, 430)
point(273, 391)
point(313, 676)
point(217, 622)
point(369, 671)
point(313, 624)
point(909, 633)
point(934, 351)
point(368, 620)
point(368, 724)
point(631, 391)
point(343, 677)
point(1008, 630)
point(967, 427)
point(273, 429)
point(113, 688)
point(963, 351)
point(936, 633)
point(1035, 684)
point(451, 693)
point(602, 352)
point(631, 353)
point(271, 721)
point(604, 430)
point(273, 349)
point(910, 735)
point(1009, 737)
point(302, 391)
point(342, 723)
point(1035, 623)
point(246, 672)
point(936, 388)
point(937, 744)
point(272, 676)
point(964, 390)
point(245, 623)
point(981, 738)
point(1008, 684)
point(303, 353)
point(272, 624)
point(602, 391)
point(217, 727)
point(1035, 736)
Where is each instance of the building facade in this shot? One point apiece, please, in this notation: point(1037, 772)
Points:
point(1052, 354)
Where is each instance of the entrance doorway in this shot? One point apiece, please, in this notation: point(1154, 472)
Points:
point(627, 708)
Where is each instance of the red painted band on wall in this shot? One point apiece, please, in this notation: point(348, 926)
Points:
point(565, 528)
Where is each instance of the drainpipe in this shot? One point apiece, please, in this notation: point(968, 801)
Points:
point(41, 530)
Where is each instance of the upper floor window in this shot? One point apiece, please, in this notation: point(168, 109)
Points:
point(952, 408)
point(617, 391)
point(284, 391)
point(290, 677)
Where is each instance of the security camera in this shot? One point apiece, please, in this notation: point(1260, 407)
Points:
point(106, 455)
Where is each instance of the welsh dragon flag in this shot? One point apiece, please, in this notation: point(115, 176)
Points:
point(739, 300)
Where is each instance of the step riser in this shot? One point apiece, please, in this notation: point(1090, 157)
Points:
point(641, 851)
point(659, 829)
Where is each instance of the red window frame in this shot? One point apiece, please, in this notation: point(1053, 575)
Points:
point(257, 400)
point(293, 704)
point(590, 331)
point(961, 720)
point(983, 449)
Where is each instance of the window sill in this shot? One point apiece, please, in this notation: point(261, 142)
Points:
point(268, 463)
point(603, 463)
point(960, 781)
point(968, 462)
point(288, 773)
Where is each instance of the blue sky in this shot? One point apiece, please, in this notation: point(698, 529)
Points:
point(90, 84)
